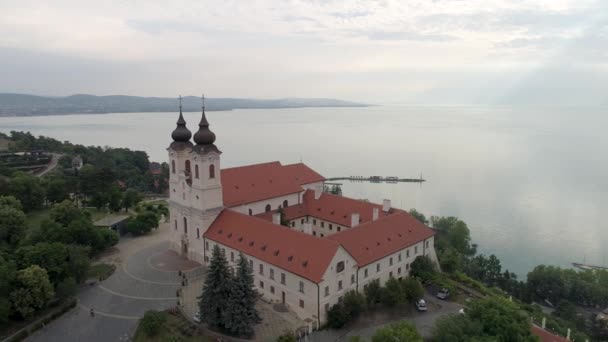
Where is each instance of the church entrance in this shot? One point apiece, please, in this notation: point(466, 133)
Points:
point(185, 248)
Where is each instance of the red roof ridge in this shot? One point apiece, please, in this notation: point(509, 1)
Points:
point(250, 165)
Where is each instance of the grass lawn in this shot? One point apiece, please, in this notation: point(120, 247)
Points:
point(175, 328)
point(100, 271)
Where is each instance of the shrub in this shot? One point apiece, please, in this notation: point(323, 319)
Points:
point(286, 337)
point(152, 322)
point(373, 292)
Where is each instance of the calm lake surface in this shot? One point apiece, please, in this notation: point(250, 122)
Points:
point(530, 182)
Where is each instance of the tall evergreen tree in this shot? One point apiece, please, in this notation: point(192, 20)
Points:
point(216, 291)
point(240, 315)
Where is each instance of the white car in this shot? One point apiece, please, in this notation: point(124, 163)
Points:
point(197, 317)
point(421, 305)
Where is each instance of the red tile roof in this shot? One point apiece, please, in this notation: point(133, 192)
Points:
point(546, 336)
point(332, 208)
point(252, 183)
point(374, 240)
point(299, 253)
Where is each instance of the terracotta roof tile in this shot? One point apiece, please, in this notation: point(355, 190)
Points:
point(546, 336)
point(299, 253)
point(252, 183)
point(332, 208)
point(374, 240)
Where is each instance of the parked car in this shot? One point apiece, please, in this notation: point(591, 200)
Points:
point(421, 305)
point(443, 293)
point(197, 317)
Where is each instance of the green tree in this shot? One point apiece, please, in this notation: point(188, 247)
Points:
point(66, 288)
point(346, 310)
point(7, 277)
point(12, 225)
point(56, 190)
point(59, 260)
point(28, 190)
point(66, 212)
point(130, 199)
point(398, 332)
point(501, 319)
point(216, 290)
point(10, 201)
point(373, 292)
point(418, 216)
point(32, 292)
point(240, 314)
point(423, 267)
point(114, 197)
point(152, 322)
point(413, 288)
point(457, 328)
point(393, 292)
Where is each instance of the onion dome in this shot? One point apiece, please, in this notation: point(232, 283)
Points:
point(204, 136)
point(181, 133)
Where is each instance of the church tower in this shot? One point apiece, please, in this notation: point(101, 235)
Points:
point(195, 187)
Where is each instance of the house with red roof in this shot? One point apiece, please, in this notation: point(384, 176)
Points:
point(307, 248)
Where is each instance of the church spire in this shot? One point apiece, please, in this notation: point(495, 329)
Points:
point(181, 132)
point(204, 136)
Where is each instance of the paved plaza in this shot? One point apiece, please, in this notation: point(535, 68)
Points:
point(146, 278)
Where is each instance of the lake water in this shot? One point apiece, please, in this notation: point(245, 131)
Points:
point(530, 182)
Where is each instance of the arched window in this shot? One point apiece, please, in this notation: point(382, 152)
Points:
point(185, 226)
point(196, 171)
point(198, 233)
point(268, 208)
point(250, 212)
point(187, 167)
point(285, 204)
point(173, 166)
point(175, 224)
point(211, 171)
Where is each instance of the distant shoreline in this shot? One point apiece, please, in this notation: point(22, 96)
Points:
point(22, 105)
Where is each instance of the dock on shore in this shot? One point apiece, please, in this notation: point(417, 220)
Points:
point(378, 179)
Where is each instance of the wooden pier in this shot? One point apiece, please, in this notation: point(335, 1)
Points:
point(378, 179)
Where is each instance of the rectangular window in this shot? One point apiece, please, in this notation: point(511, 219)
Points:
point(231, 256)
point(326, 291)
point(302, 221)
point(407, 253)
point(331, 226)
point(340, 266)
point(427, 244)
point(272, 273)
point(399, 257)
point(390, 261)
point(314, 233)
point(272, 289)
point(339, 228)
point(415, 250)
point(399, 270)
point(207, 245)
point(322, 235)
point(352, 279)
point(283, 278)
point(302, 286)
point(293, 223)
point(390, 274)
point(378, 267)
point(314, 221)
point(322, 224)
point(261, 284)
point(365, 273)
point(339, 285)
point(261, 269)
point(301, 303)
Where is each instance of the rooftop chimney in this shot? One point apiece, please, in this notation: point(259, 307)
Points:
point(354, 220)
point(375, 214)
point(386, 205)
point(276, 218)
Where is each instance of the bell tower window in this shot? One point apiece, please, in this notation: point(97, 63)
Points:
point(196, 171)
point(173, 166)
point(185, 226)
point(211, 171)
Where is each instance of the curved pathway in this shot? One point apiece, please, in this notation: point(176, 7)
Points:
point(147, 279)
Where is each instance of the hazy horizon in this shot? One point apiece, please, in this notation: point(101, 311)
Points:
point(417, 52)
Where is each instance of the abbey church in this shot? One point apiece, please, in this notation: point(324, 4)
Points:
point(323, 245)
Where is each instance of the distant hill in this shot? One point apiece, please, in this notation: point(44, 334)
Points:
point(31, 105)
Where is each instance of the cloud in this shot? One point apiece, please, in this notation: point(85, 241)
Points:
point(414, 36)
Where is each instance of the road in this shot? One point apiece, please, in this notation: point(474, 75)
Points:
point(51, 166)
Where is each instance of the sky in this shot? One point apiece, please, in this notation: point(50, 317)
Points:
point(444, 52)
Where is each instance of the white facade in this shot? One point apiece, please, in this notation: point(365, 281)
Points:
point(274, 203)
